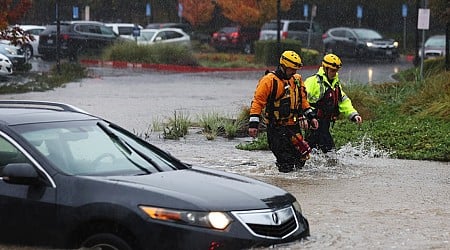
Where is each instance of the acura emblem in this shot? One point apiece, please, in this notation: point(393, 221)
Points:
point(275, 218)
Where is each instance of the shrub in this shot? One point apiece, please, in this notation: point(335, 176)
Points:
point(156, 53)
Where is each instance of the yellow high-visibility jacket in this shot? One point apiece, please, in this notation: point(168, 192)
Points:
point(316, 86)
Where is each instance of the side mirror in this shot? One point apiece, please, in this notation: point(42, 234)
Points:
point(20, 173)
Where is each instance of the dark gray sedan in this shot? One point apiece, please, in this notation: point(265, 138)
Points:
point(69, 179)
point(359, 43)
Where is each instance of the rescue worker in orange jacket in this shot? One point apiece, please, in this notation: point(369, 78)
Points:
point(328, 100)
point(281, 95)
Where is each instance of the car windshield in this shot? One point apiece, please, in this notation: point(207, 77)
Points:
point(95, 148)
point(367, 34)
point(435, 42)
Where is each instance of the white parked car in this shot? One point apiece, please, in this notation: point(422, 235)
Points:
point(124, 30)
point(5, 65)
point(164, 35)
point(15, 54)
point(31, 49)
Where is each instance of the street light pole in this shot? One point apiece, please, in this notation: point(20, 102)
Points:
point(278, 27)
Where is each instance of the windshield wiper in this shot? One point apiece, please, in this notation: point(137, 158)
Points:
point(125, 148)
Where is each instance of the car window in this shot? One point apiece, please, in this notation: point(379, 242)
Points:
point(229, 29)
point(160, 36)
point(10, 154)
point(173, 34)
point(146, 36)
point(88, 28)
point(295, 26)
point(349, 34)
point(338, 33)
point(52, 28)
point(106, 31)
point(271, 26)
point(367, 34)
point(125, 30)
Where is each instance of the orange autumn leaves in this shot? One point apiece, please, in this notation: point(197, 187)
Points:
point(245, 13)
point(11, 11)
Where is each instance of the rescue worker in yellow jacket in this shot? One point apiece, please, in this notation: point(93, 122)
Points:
point(281, 95)
point(328, 100)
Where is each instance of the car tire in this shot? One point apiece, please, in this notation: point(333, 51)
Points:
point(28, 51)
point(106, 241)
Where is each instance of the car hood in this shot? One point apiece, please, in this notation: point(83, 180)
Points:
point(202, 188)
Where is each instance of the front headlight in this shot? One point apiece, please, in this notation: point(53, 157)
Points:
point(369, 44)
point(214, 220)
point(395, 44)
point(297, 206)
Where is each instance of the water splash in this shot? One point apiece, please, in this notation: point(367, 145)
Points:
point(221, 154)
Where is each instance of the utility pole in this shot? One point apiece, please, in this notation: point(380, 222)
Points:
point(58, 32)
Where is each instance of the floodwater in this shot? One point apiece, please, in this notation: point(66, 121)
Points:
point(357, 198)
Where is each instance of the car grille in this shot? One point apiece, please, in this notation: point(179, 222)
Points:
point(274, 224)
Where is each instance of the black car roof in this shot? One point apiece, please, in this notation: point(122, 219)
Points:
point(20, 112)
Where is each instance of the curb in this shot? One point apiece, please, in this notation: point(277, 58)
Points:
point(168, 67)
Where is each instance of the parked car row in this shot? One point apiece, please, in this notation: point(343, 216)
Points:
point(83, 36)
point(78, 37)
point(345, 41)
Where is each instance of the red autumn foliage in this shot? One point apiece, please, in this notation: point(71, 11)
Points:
point(11, 12)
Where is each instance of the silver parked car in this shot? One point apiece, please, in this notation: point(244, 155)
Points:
point(164, 35)
point(14, 53)
point(434, 47)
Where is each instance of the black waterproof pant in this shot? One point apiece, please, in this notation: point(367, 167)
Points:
point(280, 143)
point(321, 138)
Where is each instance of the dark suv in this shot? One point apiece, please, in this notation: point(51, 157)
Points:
point(235, 38)
point(76, 37)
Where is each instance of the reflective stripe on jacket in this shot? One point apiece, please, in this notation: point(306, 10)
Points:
point(316, 86)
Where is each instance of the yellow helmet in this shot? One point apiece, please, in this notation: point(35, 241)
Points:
point(290, 59)
point(331, 61)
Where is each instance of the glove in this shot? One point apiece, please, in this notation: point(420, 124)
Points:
point(310, 114)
